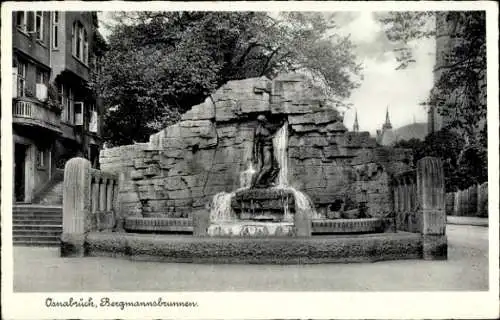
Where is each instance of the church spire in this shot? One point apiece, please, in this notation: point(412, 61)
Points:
point(355, 126)
point(387, 124)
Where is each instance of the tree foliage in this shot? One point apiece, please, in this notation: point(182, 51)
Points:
point(161, 63)
point(464, 165)
point(459, 91)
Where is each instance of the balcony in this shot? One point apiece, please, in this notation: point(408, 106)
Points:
point(31, 112)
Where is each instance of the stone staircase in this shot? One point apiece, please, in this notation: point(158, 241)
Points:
point(52, 193)
point(36, 225)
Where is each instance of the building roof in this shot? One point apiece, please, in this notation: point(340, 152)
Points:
point(417, 130)
point(387, 137)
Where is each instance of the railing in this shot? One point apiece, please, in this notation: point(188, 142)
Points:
point(33, 112)
point(405, 202)
point(22, 109)
point(89, 204)
point(419, 205)
point(103, 193)
point(471, 202)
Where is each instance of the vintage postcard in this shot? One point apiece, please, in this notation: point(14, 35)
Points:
point(250, 160)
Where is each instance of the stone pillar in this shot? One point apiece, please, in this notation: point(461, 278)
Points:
point(109, 195)
point(95, 195)
point(396, 199)
point(430, 192)
point(406, 195)
point(456, 205)
point(201, 222)
point(76, 207)
point(413, 191)
point(119, 225)
point(395, 205)
point(482, 200)
point(102, 194)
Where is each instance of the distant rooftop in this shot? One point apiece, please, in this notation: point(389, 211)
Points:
point(417, 130)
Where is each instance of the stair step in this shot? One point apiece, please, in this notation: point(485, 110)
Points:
point(17, 239)
point(51, 227)
point(29, 206)
point(36, 243)
point(37, 208)
point(52, 211)
point(41, 214)
point(53, 221)
point(37, 233)
point(37, 218)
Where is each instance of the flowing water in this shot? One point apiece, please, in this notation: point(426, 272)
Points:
point(280, 145)
point(221, 211)
point(246, 176)
point(302, 201)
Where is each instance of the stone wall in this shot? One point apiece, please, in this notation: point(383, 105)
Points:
point(183, 166)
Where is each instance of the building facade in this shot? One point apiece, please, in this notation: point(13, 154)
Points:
point(56, 110)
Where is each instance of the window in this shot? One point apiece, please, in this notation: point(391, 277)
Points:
point(40, 158)
point(55, 30)
point(21, 20)
point(69, 104)
point(62, 100)
point(85, 47)
point(21, 78)
point(41, 76)
point(30, 22)
point(80, 42)
point(39, 25)
point(94, 121)
point(78, 113)
point(41, 84)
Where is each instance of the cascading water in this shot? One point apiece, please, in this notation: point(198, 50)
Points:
point(220, 210)
point(302, 201)
point(280, 145)
point(246, 176)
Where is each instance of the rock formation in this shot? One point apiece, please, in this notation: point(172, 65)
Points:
point(183, 166)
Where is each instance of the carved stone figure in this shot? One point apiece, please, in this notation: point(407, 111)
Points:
point(263, 154)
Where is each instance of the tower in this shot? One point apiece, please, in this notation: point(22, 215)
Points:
point(387, 125)
point(386, 136)
point(355, 126)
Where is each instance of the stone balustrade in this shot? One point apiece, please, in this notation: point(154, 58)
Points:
point(471, 202)
point(89, 204)
point(419, 205)
point(405, 201)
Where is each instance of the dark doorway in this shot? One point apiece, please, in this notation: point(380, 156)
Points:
point(94, 155)
point(19, 171)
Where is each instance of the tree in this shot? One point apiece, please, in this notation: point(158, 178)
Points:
point(459, 90)
point(463, 166)
point(162, 63)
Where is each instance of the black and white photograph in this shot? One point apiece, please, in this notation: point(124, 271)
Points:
point(227, 160)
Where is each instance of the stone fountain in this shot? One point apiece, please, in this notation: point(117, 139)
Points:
point(264, 205)
point(262, 171)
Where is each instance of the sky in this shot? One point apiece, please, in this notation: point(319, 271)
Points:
point(383, 87)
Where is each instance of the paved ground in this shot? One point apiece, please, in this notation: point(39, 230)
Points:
point(42, 270)
point(472, 221)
